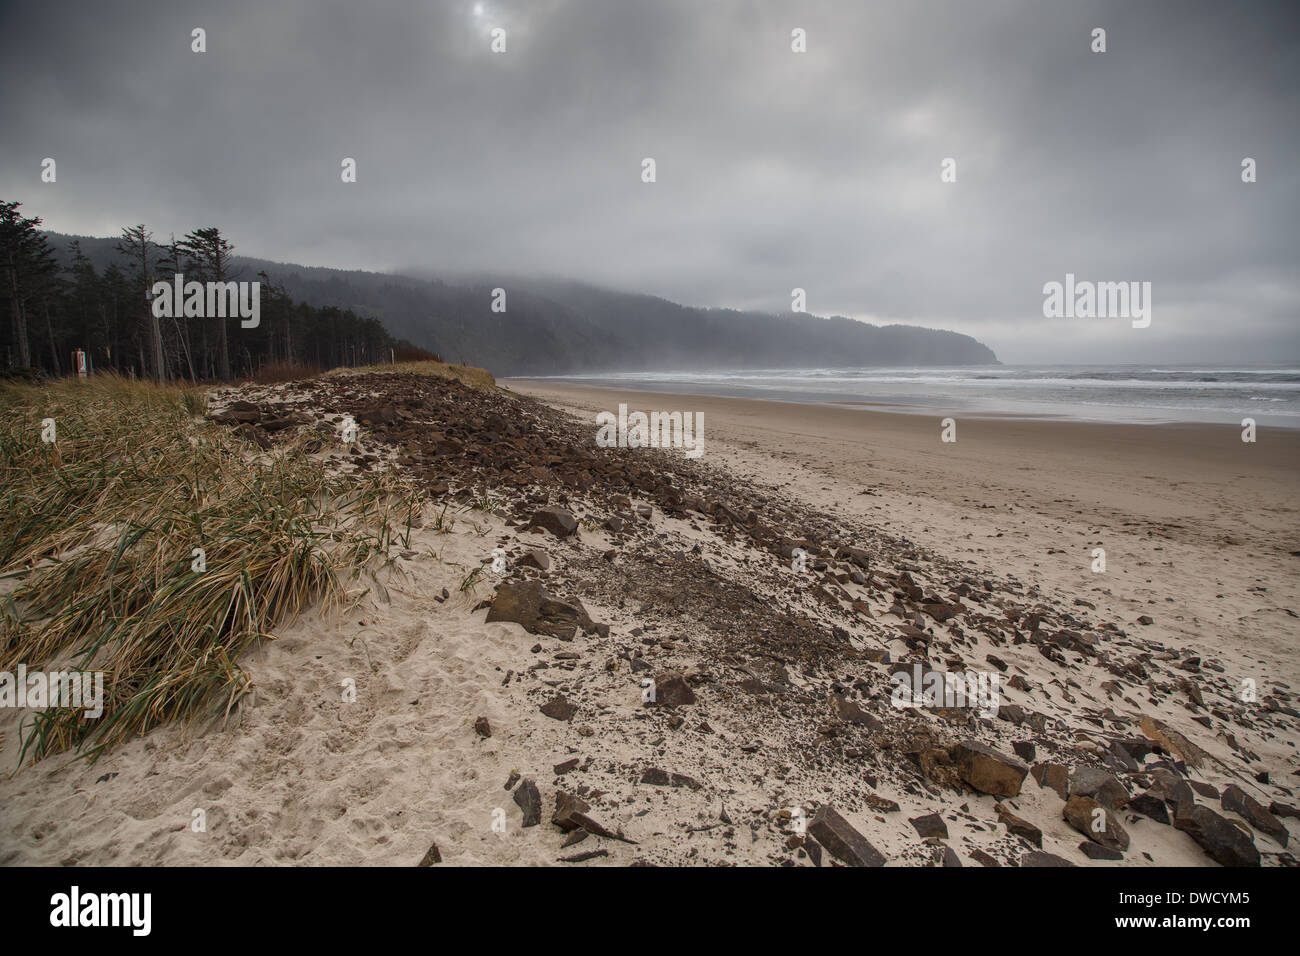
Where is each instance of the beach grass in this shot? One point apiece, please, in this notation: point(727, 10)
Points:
point(465, 374)
point(100, 538)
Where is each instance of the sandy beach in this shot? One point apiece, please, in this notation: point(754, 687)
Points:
point(1200, 529)
point(502, 718)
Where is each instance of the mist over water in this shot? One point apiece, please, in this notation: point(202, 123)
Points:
point(1104, 393)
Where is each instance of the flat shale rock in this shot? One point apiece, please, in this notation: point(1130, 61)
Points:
point(1020, 826)
point(844, 842)
point(534, 558)
point(1171, 741)
point(530, 802)
point(930, 825)
point(539, 612)
point(1042, 858)
point(571, 814)
point(987, 770)
point(559, 708)
point(671, 690)
point(1095, 851)
point(656, 777)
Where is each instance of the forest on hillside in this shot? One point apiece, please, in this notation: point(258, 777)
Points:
point(53, 306)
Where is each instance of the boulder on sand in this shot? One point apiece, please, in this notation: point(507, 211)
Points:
point(557, 521)
point(540, 612)
point(987, 770)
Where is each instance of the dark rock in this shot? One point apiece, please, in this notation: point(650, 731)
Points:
point(529, 604)
point(1042, 858)
point(1283, 810)
point(1095, 821)
point(1020, 827)
point(851, 713)
point(571, 813)
point(662, 778)
point(581, 857)
point(533, 558)
point(555, 520)
point(1053, 776)
point(930, 825)
point(482, 727)
point(1255, 813)
point(987, 770)
point(1150, 804)
point(1103, 787)
point(1226, 843)
point(529, 801)
point(559, 708)
point(671, 690)
point(1095, 851)
point(431, 857)
point(843, 841)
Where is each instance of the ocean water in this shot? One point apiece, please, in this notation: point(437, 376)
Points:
point(1105, 393)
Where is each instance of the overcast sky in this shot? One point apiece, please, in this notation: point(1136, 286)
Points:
point(775, 169)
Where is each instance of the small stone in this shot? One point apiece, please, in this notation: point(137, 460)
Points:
point(482, 727)
point(1095, 851)
point(1020, 827)
point(671, 690)
point(1150, 804)
point(533, 558)
point(555, 520)
point(530, 802)
point(1042, 858)
point(559, 708)
point(431, 857)
point(930, 825)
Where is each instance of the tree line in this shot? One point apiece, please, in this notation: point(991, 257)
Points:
point(53, 309)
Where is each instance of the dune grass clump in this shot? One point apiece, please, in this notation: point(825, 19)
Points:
point(478, 378)
point(156, 546)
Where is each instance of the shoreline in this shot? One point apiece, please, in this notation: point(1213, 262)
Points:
point(954, 406)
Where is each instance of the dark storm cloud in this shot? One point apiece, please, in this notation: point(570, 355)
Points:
point(776, 170)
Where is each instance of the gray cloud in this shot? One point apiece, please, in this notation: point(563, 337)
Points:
point(776, 170)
